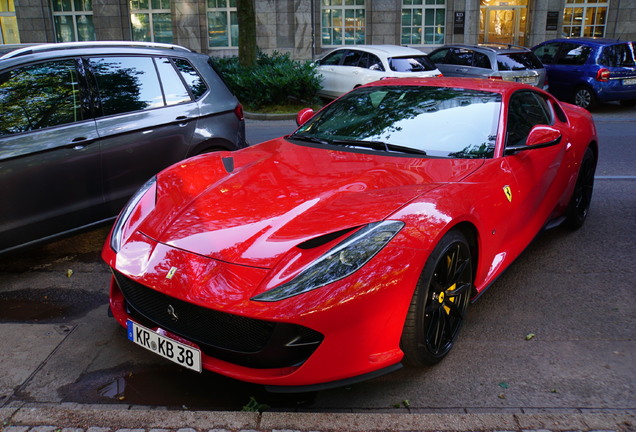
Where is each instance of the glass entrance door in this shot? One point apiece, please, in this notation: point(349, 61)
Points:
point(504, 23)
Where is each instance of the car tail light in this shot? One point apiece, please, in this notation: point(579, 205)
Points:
point(603, 75)
point(238, 112)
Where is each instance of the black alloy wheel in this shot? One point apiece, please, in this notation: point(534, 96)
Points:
point(579, 205)
point(439, 305)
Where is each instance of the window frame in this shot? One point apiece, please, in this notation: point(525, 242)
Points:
point(7, 16)
point(150, 12)
point(570, 8)
point(359, 9)
point(415, 8)
point(231, 16)
point(74, 15)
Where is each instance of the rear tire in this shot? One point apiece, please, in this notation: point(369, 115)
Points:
point(585, 98)
point(579, 205)
point(439, 304)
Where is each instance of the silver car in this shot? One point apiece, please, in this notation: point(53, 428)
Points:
point(494, 61)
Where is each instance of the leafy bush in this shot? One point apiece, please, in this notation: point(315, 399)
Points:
point(274, 80)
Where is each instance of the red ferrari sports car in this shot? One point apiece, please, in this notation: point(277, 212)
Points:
point(355, 244)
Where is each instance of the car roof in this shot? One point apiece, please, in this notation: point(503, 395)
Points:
point(494, 86)
point(17, 50)
point(589, 41)
point(386, 50)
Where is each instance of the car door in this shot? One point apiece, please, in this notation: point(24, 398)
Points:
point(329, 69)
point(568, 68)
point(535, 185)
point(147, 121)
point(49, 155)
point(458, 62)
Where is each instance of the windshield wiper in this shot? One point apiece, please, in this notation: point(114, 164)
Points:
point(379, 145)
point(308, 139)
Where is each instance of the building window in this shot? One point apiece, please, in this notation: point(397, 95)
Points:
point(151, 20)
point(222, 24)
point(343, 22)
point(73, 20)
point(8, 23)
point(585, 19)
point(423, 22)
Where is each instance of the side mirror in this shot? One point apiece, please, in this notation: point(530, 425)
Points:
point(540, 136)
point(544, 136)
point(304, 115)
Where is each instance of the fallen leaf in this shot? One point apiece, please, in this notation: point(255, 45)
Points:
point(530, 336)
point(69, 273)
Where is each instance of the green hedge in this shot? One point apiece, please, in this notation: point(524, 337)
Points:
point(274, 80)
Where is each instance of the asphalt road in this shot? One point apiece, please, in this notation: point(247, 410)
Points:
point(555, 332)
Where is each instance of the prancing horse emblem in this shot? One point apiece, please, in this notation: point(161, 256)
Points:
point(172, 313)
point(171, 272)
point(507, 191)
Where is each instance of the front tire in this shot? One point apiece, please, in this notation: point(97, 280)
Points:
point(579, 205)
point(439, 304)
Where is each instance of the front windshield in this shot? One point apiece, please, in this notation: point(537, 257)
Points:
point(436, 121)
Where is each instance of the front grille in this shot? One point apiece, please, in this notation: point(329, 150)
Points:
point(245, 341)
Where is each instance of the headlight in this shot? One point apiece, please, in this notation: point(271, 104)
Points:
point(118, 230)
point(340, 262)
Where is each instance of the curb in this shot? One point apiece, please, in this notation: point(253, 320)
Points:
point(128, 417)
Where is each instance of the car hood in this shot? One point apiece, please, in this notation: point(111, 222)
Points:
point(251, 206)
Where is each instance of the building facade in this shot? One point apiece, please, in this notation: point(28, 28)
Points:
point(308, 28)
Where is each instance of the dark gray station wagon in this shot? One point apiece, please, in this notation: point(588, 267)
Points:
point(84, 125)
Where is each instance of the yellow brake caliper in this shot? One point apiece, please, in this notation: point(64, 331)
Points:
point(451, 288)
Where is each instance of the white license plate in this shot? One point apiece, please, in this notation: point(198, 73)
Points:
point(166, 347)
point(526, 80)
point(630, 81)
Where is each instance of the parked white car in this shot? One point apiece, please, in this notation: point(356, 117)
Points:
point(346, 68)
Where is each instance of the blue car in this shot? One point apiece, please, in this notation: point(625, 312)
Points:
point(586, 71)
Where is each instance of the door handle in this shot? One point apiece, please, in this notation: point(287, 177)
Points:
point(183, 120)
point(79, 143)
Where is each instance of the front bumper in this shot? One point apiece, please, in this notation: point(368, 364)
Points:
point(329, 337)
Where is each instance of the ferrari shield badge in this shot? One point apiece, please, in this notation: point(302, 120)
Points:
point(508, 192)
point(171, 272)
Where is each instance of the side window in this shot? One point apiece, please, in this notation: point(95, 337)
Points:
point(481, 61)
point(333, 59)
point(127, 84)
point(191, 77)
point(526, 110)
point(438, 56)
point(370, 61)
point(352, 58)
point(461, 57)
point(547, 52)
point(573, 54)
point(375, 63)
point(173, 88)
point(39, 96)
